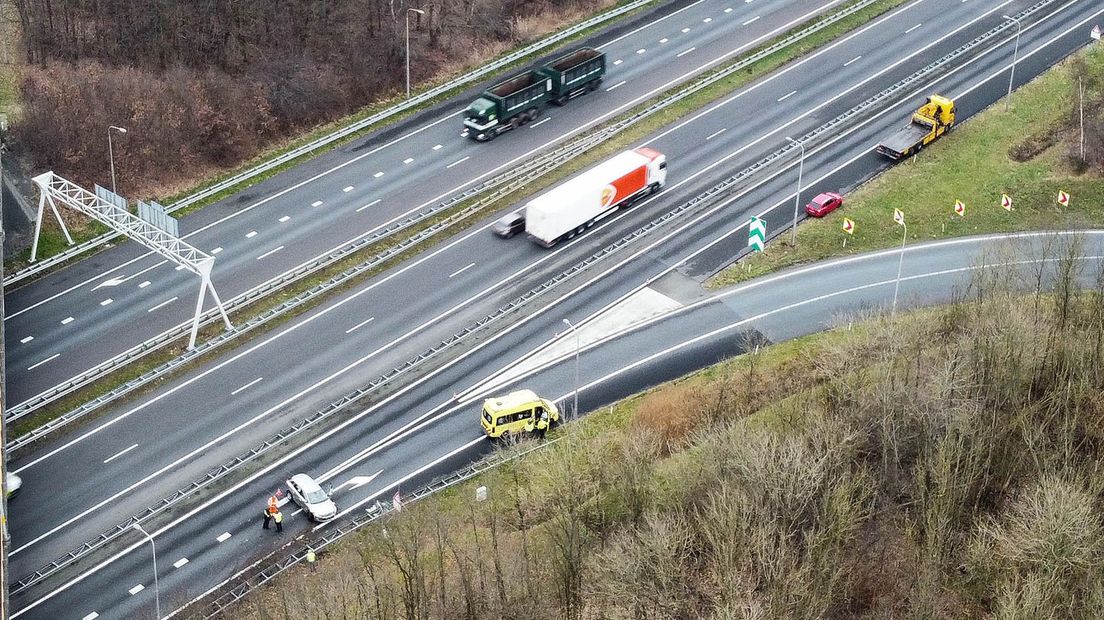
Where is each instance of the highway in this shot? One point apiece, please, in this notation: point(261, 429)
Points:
point(74, 319)
point(190, 425)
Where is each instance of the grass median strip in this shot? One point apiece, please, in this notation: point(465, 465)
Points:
point(1029, 153)
point(637, 132)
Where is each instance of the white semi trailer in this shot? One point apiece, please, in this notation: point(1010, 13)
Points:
point(576, 204)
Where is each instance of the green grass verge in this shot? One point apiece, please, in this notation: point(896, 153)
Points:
point(971, 164)
point(638, 132)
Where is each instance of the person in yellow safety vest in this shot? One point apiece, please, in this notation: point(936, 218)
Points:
point(542, 423)
point(278, 517)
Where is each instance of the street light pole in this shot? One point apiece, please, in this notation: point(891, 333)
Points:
point(575, 406)
point(156, 587)
point(1015, 55)
point(900, 261)
point(111, 153)
point(797, 197)
point(408, 11)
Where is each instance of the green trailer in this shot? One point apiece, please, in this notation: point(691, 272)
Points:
point(518, 100)
point(575, 74)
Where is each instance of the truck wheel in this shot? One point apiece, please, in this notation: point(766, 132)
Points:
point(653, 188)
point(534, 113)
point(516, 121)
point(594, 85)
point(491, 135)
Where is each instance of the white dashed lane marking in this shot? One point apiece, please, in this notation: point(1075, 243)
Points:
point(787, 95)
point(459, 161)
point(106, 301)
point(408, 160)
point(216, 250)
point(914, 28)
point(641, 51)
point(144, 284)
point(223, 537)
point(663, 40)
point(437, 147)
point(285, 218)
point(180, 562)
point(621, 83)
point(26, 340)
point(348, 189)
point(728, 10)
point(461, 270)
point(119, 453)
point(67, 320)
point(359, 325)
point(48, 359)
point(617, 62)
point(544, 120)
point(685, 30)
point(716, 133)
point(251, 234)
point(270, 252)
point(374, 202)
point(707, 20)
point(848, 63)
point(751, 21)
point(378, 174)
point(246, 386)
point(316, 203)
point(91, 616)
point(136, 589)
point(685, 52)
point(163, 304)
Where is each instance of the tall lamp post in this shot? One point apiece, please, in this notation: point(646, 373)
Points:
point(408, 12)
point(156, 587)
point(111, 153)
point(575, 405)
point(797, 197)
point(1015, 56)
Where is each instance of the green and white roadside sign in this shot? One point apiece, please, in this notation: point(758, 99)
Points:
point(757, 234)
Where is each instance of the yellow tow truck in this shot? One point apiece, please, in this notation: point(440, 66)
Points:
point(932, 120)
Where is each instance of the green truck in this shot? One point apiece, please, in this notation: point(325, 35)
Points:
point(518, 100)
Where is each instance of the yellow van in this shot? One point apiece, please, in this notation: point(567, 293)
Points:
point(510, 414)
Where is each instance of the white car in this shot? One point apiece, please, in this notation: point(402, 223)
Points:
point(12, 482)
point(311, 498)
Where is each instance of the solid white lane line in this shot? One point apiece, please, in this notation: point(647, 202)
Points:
point(685, 52)
point(284, 219)
point(136, 589)
point(316, 203)
point(461, 270)
point(408, 160)
point(377, 175)
point(144, 284)
point(621, 83)
point(374, 202)
point(246, 386)
point(849, 62)
point(106, 301)
point(359, 325)
point(348, 189)
point(541, 122)
point(436, 147)
point(270, 252)
point(459, 161)
point(216, 250)
point(716, 133)
point(67, 320)
point(163, 304)
point(26, 340)
point(787, 95)
point(180, 562)
point(913, 28)
point(223, 537)
point(251, 234)
point(118, 454)
point(48, 359)
point(751, 21)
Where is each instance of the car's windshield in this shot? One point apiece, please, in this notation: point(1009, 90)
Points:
point(316, 496)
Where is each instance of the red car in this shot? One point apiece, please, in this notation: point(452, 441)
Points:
point(824, 204)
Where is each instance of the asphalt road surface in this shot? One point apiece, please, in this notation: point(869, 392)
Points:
point(74, 319)
point(184, 428)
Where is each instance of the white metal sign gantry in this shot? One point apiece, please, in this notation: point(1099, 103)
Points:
point(55, 189)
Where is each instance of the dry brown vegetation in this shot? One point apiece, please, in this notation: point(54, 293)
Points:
point(943, 465)
point(204, 86)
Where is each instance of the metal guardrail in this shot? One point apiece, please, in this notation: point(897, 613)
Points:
point(716, 192)
point(346, 131)
point(510, 179)
point(352, 524)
